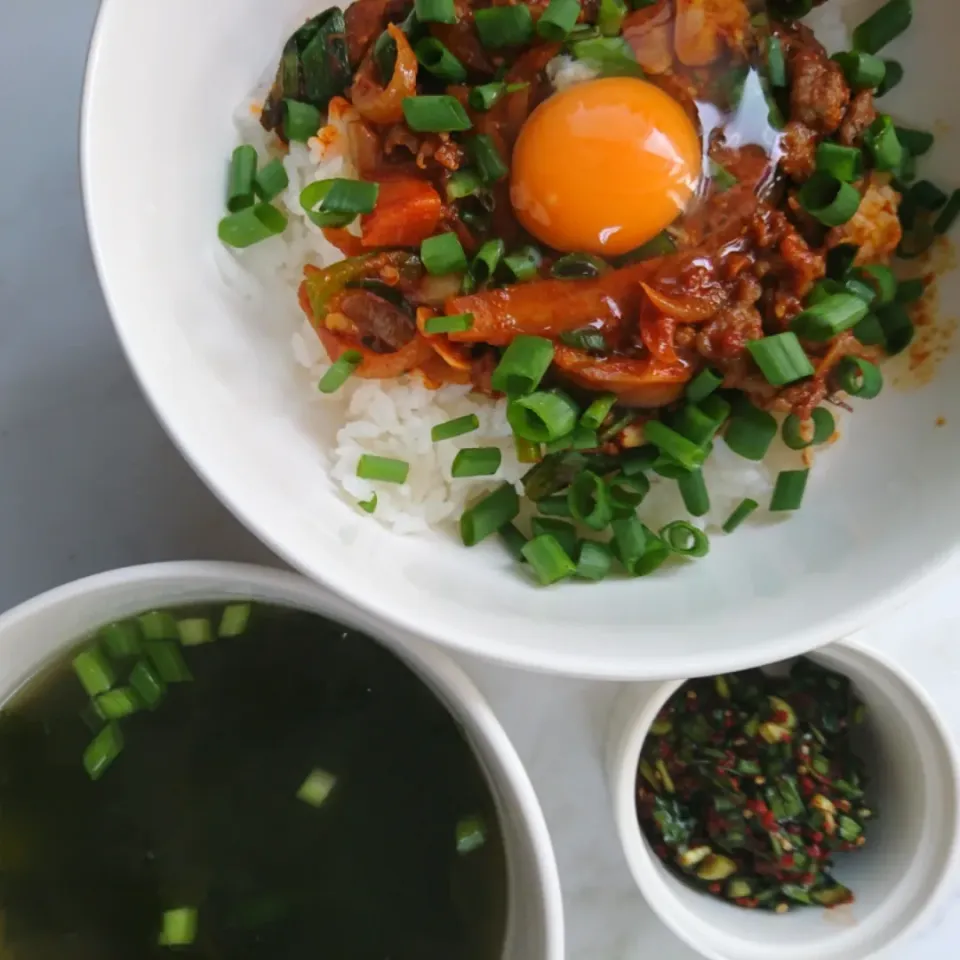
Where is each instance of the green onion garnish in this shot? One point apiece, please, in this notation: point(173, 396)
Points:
point(489, 514)
point(799, 434)
point(487, 159)
point(317, 787)
point(369, 506)
point(898, 329)
point(586, 339)
point(240, 186)
point(119, 703)
point(700, 423)
point(630, 537)
point(589, 501)
point(301, 121)
point(557, 505)
point(723, 179)
point(250, 226)
point(927, 196)
point(167, 659)
point(781, 358)
point(674, 445)
point(522, 366)
point(884, 26)
point(464, 183)
point(884, 145)
point(598, 410)
point(458, 323)
point(436, 114)
point(435, 11)
point(179, 927)
point(661, 245)
point(271, 181)
point(94, 671)
point(703, 384)
point(523, 264)
point(750, 431)
point(912, 290)
point(195, 631)
point(122, 639)
point(892, 76)
point(337, 202)
point(487, 260)
point(471, 835)
point(863, 71)
point(476, 462)
point(593, 561)
point(543, 416)
point(788, 491)
point(844, 163)
point(685, 539)
point(693, 489)
point(743, 510)
point(435, 58)
point(234, 620)
point(103, 750)
point(340, 371)
point(564, 532)
point(610, 17)
point(455, 428)
point(386, 469)
point(859, 378)
point(504, 26)
point(639, 460)
point(487, 95)
point(917, 142)
point(158, 625)
point(581, 438)
point(882, 281)
point(949, 214)
point(514, 541)
point(830, 200)
point(578, 266)
point(546, 557)
point(150, 688)
point(627, 493)
point(776, 62)
point(612, 56)
point(443, 254)
point(558, 20)
point(825, 320)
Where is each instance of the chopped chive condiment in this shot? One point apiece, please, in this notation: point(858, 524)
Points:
point(435, 11)
point(781, 358)
point(234, 619)
point(340, 371)
point(240, 185)
point(504, 26)
point(195, 631)
point(742, 511)
point(455, 428)
point(121, 639)
point(436, 114)
point(167, 660)
point(94, 671)
point(558, 20)
point(443, 254)
point(489, 514)
point(386, 469)
point(179, 927)
point(685, 539)
point(435, 58)
point(119, 703)
point(149, 686)
point(750, 431)
point(252, 225)
point(476, 462)
point(103, 750)
point(522, 366)
point(317, 787)
point(789, 489)
point(302, 120)
point(594, 561)
point(883, 26)
point(549, 561)
point(471, 835)
point(337, 202)
point(271, 180)
point(542, 416)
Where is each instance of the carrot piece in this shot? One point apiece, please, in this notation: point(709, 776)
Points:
point(407, 212)
point(695, 34)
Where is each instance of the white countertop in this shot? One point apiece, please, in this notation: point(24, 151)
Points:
point(89, 481)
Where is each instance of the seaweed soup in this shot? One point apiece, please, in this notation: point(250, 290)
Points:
point(252, 782)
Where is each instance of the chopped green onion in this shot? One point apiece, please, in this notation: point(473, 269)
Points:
point(443, 254)
point(369, 506)
point(476, 462)
point(884, 26)
point(487, 158)
point(661, 245)
point(158, 625)
point(562, 531)
point(271, 181)
point(522, 366)
point(487, 95)
point(558, 20)
point(119, 703)
point(610, 17)
point(781, 358)
point(586, 339)
point(675, 445)
point(859, 378)
point(243, 170)
point(589, 501)
point(693, 489)
point(340, 371)
point(699, 423)
point(504, 26)
point(301, 121)
point(627, 493)
point(149, 687)
point(703, 384)
point(234, 620)
point(557, 505)
point(542, 417)
point(471, 835)
point(799, 434)
point(776, 62)
point(884, 146)
point(912, 290)
point(524, 264)
point(612, 56)
point(598, 411)
point(179, 927)
point(464, 183)
point(337, 202)
point(514, 541)
point(830, 200)
point(840, 260)
point(743, 510)
point(195, 631)
point(580, 438)
point(122, 639)
point(722, 178)
point(435, 58)
point(317, 787)
point(94, 671)
point(863, 71)
point(489, 515)
point(455, 428)
point(844, 163)
point(825, 320)
point(685, 539)
point(436, 114)
point(892, 76)
point(750, 431)
point(594, 561)
point(788, 491)
point(253, 225)
point(916, 142)
point(639, 460)
point(387, 469)
point(869, 332)
point(487, 260)
point(927, 196)
point(949, 214)
point(881, 279)
point(548, 559)
point(653, 558)
point(527, 451)
point(898, 329)
point(103, 750)
point(630, 537)
point(669, 468)
point(167, 660)
point(458, 323)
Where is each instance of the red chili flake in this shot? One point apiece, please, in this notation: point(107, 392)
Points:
point(807, 879)
point(787, 861)
point(715, 887)
point(816, 836)
point(780, 716)
point(729, 722)
point(794, 829)
point(807, 786)
point(843, 805)
point(666, 751)
point(734, 783)
point(814, 851)
point(769, 821)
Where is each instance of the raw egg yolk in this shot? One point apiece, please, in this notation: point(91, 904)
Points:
point(604, 166)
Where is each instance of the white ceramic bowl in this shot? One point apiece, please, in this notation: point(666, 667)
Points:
point(897, 877)
point(33, 632)
point(165, 77)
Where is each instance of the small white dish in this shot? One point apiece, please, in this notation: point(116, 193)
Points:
point(32, 633)
point(897, 877)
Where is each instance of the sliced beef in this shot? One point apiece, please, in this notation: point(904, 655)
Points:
point(799, 146)
point(818, 91)
point(860, 114)
point(381, 325)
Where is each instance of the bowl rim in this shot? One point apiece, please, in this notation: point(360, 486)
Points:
point(628, 730)
point(459, 635)
point(429, 662)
